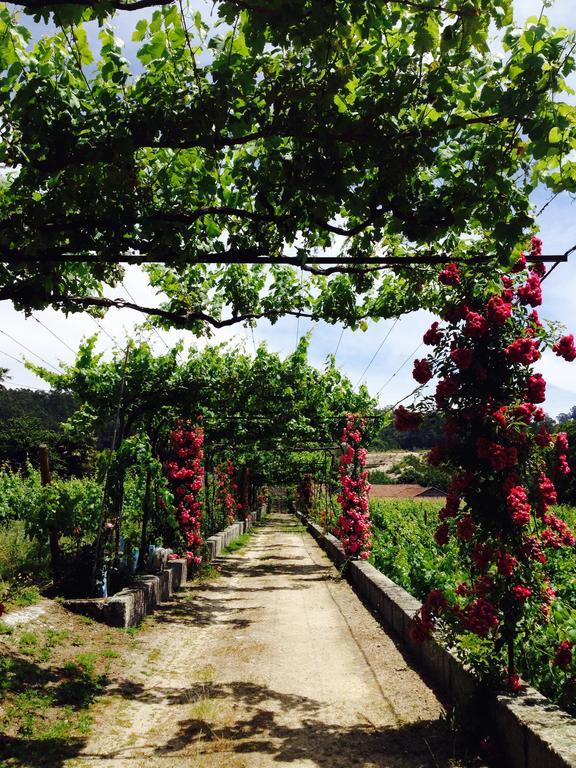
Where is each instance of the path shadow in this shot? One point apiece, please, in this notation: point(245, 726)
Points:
point(292, 729)
point(203, 610)
point(24, 752)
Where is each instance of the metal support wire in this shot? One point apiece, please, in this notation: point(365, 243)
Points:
point(365, 371)
point(30, 351)
point(397, 371)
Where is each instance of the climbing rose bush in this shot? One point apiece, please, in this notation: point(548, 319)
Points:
point(186, 474)
point(226, 490)
point(353, 527)
point(306, 494)
point(504, 464)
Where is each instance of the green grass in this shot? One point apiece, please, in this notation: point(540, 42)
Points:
point(26, 596)
point(18, 595)
point(238, 543)
point(47, 688)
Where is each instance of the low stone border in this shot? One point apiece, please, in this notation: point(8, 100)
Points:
point(532, 731)
point(128, 607)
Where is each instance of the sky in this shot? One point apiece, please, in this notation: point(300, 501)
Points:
point(55, 337)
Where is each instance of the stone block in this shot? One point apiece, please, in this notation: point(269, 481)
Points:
point(151, 585)
point(127, 608)
point(95, 608)
point(214, 544)
point(542, 735)
point(179, 570)
point(166, 584)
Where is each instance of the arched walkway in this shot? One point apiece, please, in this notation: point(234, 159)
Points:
point(275, 663)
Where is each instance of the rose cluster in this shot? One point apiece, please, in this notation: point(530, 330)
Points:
point(353, 527)
point(226, 490)
point(186, 474)
point(503, 458)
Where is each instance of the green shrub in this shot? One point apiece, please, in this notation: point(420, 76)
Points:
point(415, 469)
point(404, 549)
point(19, 493)
point(378, 477)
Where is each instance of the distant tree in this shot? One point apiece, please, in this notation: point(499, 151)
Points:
point(566, 486)
point(30, 417)
point(388, 438)
point(570, 416)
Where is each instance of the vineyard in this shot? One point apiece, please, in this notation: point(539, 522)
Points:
point(236, 194)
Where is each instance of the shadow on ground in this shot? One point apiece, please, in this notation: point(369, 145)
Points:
point(290, 729)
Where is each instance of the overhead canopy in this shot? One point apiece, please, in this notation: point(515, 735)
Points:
point(246, 146)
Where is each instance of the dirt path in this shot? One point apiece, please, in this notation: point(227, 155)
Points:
point(277, 663)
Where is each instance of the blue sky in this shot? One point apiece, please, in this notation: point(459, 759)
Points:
point(355, 350)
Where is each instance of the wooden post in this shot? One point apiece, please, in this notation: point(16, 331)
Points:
point(46, 479)
point(45, 474)
point(147, 507)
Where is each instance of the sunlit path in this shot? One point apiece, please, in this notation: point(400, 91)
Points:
point(276, 663)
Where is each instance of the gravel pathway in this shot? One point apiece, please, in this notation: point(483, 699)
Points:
point(275, 663)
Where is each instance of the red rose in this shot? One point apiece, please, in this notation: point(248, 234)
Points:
point(465, 528)
point(514, 682)
point(563, 656)
point(450, 275)
point(454, 312)
point(518, 507)
point(531, 292)
point(536, 388)
point(543, 437)
point(520, 264)
point(462, 357)
point(422, 372)
point(481, 617)
point(546, 490)
point(442, 534)
point(565, 348)
point(534, 319)
point(432, 336)
point(506, 563)
point(502, 457)
point(445, 389)
point(405, 420)
point(535, 246)
point(562, 467)
point(523, 351)
point(498, 310)
point(421, 630)
point(521, 593)
point(476, 325)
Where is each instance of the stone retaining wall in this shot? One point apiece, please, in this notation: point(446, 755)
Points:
point(128, 607)
point(532, 731)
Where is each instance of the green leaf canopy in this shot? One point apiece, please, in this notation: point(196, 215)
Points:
point(235, 154)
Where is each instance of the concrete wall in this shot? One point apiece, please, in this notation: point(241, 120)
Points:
point(532, 731)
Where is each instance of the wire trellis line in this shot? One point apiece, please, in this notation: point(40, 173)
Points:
point(365, 371)
point(399, 369)
point(30, 351)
